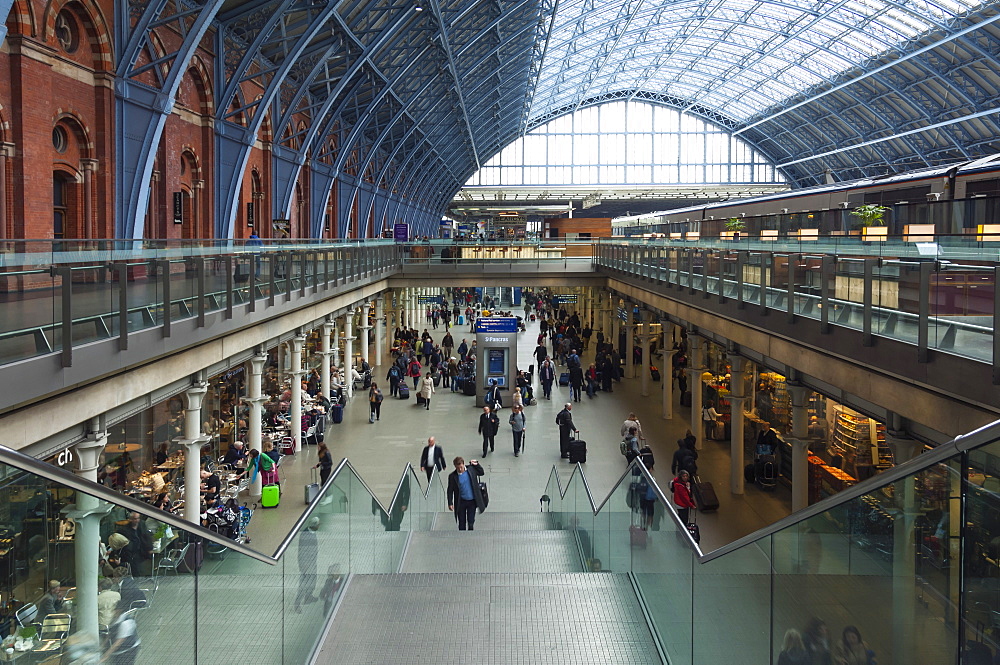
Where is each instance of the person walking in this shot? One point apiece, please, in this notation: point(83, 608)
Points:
point(426, 390)
point(576, 382)
point(414, 372)
point(683, 501)
point(517, 427)
point(852, 650)
point(393, 377)
point(632, 421)
point(325, 465)
point(489, 425)
point(464, 494)
point(547, 375)
point(430, 457)
point(564, 419)
point(448, 345)
point(452, 371)
point(375, 398)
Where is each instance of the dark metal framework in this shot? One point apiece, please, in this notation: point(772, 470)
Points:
point(398, 102)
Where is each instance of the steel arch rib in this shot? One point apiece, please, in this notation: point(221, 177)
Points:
point(139, 107)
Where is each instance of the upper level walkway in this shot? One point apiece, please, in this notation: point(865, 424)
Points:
point(898, 308)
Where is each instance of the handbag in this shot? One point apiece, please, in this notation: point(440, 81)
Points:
point(486, 496)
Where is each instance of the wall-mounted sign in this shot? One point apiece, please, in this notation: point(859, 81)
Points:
point(566, 298)
point(400, 232)
point(250, 218)
point(429, 300)
point(178, 207)
point(496, 324)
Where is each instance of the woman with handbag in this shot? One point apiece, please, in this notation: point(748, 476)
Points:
point(375, 398)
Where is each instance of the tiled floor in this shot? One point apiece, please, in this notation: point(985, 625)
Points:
point(379, 452)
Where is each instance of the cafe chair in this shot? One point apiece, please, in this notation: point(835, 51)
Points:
point(55, 627)
point(173, 559)
point(26, 615)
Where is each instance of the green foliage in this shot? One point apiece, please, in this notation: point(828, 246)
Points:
point(735, 224)
point(27, 633)
point(869, 215)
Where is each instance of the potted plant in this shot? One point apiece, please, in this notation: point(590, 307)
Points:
point(869, 218)
point(735, 225)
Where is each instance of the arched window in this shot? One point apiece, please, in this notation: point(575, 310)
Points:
point(626, 143)
point(61, 209)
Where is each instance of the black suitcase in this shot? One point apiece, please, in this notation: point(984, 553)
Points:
point(686, 398)
point(704, 495)
point(577, 451)
point(564, 379)
point(193, 558)
point(469, 387)
point(242, 273)
point(695, 532)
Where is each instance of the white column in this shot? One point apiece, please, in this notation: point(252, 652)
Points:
point(381, 332)
point(800, 446)
point(193, 441)
point(629, 350)
point(348, 351)
point(256, 401)
point(363, 335)
point(736, 424)
point(87, 513)
point(335, 343)
point(296, 372)
point(647, 358)
point(666, 374)
point(325, 353)
point(694, 383)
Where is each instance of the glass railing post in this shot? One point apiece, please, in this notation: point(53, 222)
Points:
point(793, 274)
point(741, 262)
point(866, 326)
point(923, 310)
point(827, 275)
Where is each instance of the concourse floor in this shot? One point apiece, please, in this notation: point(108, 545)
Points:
point(380, 451)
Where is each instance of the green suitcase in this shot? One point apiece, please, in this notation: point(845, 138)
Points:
point(270, 495)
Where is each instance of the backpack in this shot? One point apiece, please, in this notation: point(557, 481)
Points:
point(394, 372)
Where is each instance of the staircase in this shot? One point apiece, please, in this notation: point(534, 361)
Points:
point(512, 591)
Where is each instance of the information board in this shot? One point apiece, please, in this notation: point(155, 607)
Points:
point(496, 324)
point(401, 232)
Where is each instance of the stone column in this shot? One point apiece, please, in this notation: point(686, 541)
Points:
point(647, 357)
point(256, 399)
point(89, 167)
point(363, 334)
point(904, 573)
point(87, 513)
point(737, 423)
point(325, 353)
point(694, 372)
point(799, 441)
point(296, 372)
point(193, 441)
point(381, 333)
point(335, 343)
point(348, 352)
point(666, 373)
point(629, 350)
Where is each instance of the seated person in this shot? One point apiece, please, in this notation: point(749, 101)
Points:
point(52, 601)
point(211, 485)
point(236, 453)
point(107, 601)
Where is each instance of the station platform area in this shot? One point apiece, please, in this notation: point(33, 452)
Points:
point(380, 451)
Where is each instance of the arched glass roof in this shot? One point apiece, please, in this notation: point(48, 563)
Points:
point(380, 97)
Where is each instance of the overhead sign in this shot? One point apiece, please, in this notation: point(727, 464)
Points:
point(566, 298)
point(429, 300)
point(496, 324)
point(401, 232)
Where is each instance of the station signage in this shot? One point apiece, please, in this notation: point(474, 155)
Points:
point(496, 324)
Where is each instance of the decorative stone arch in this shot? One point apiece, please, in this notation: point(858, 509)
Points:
point(72, 120)
point(22, 19)
point(192, 187)
point(94, 24)
point(203, 84)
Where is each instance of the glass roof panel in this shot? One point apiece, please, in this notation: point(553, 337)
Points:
point(733, 56)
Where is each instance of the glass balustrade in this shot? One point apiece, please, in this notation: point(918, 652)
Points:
point(908, 562)
point(189, 594)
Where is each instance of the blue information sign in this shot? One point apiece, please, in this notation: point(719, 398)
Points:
point(400, 232)
point(496, 324)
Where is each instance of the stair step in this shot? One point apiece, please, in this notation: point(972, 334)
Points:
point(493, 521)
point(492, 551)
point(446, 618)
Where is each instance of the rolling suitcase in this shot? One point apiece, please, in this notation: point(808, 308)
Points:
point(312, 489)
point(420, 400)
point(693, 529)
point(577, 451)
point(637, 537)
point(337, 413)
point(270, 495)
point(704, 495)
point(404, 391)
point(564, 379)
point(193, 558)
point(242, 273)
point(469, 387)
